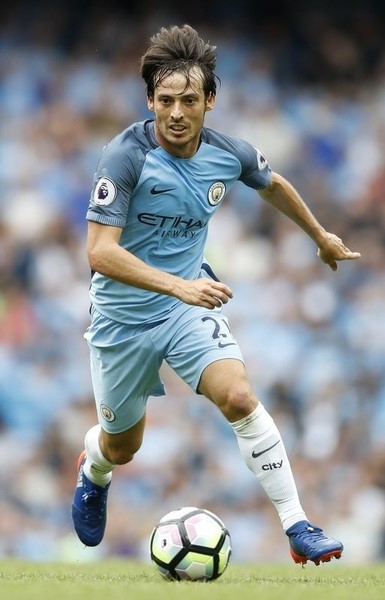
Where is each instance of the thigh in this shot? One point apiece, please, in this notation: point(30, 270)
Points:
point(225, 382)
point(221, 376)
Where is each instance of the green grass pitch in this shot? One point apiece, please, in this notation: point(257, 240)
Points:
point(128, 580)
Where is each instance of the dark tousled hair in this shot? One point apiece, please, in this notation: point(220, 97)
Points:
point(178, 49)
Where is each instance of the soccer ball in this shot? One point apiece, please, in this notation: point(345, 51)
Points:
point(190, 543)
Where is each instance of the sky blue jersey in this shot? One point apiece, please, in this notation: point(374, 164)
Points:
point(163, 205)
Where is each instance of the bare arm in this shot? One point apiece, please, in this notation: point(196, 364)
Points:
point(281, 194)
point(107, 257)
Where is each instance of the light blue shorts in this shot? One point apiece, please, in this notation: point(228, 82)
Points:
point(125, 360)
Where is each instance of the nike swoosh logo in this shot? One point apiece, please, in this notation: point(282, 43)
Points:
point(155, 191)
point(256, 454)
point(222, 345)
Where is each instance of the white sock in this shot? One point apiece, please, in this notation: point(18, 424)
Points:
point(264, 453)
point(97, 468)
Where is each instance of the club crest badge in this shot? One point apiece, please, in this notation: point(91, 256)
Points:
point(261, 160)
point(107, 413)
point(105, 192)
point(216, 193)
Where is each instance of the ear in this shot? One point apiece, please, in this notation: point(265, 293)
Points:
point(210, 101)
point(150, 103)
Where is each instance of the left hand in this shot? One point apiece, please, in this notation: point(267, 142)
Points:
point(333, 249)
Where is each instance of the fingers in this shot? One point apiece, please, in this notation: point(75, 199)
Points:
point(217, 299)
point(216, 302)
point(212, 294)
point(337, 253)
point(353, 255)
point(222, 291)
point(212, 302)
point(220, 297)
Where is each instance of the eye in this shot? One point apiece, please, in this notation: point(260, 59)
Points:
point(164, 100)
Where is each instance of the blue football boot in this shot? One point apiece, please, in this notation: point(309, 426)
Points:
point(308, 542)
point(89, 508)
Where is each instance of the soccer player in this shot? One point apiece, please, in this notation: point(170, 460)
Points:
point(154, 298)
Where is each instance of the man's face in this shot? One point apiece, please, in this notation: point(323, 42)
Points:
point(179, 112)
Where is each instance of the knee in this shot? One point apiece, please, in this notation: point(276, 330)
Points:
point(120, 456)
point(237, 403)
point(120, 452)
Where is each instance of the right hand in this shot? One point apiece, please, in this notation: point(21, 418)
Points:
point(203, 292)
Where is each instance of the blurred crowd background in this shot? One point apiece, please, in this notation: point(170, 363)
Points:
point(305, 83)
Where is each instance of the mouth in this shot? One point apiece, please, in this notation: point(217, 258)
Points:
point(177, 129)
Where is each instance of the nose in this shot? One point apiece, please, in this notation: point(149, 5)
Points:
point(177, 111)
